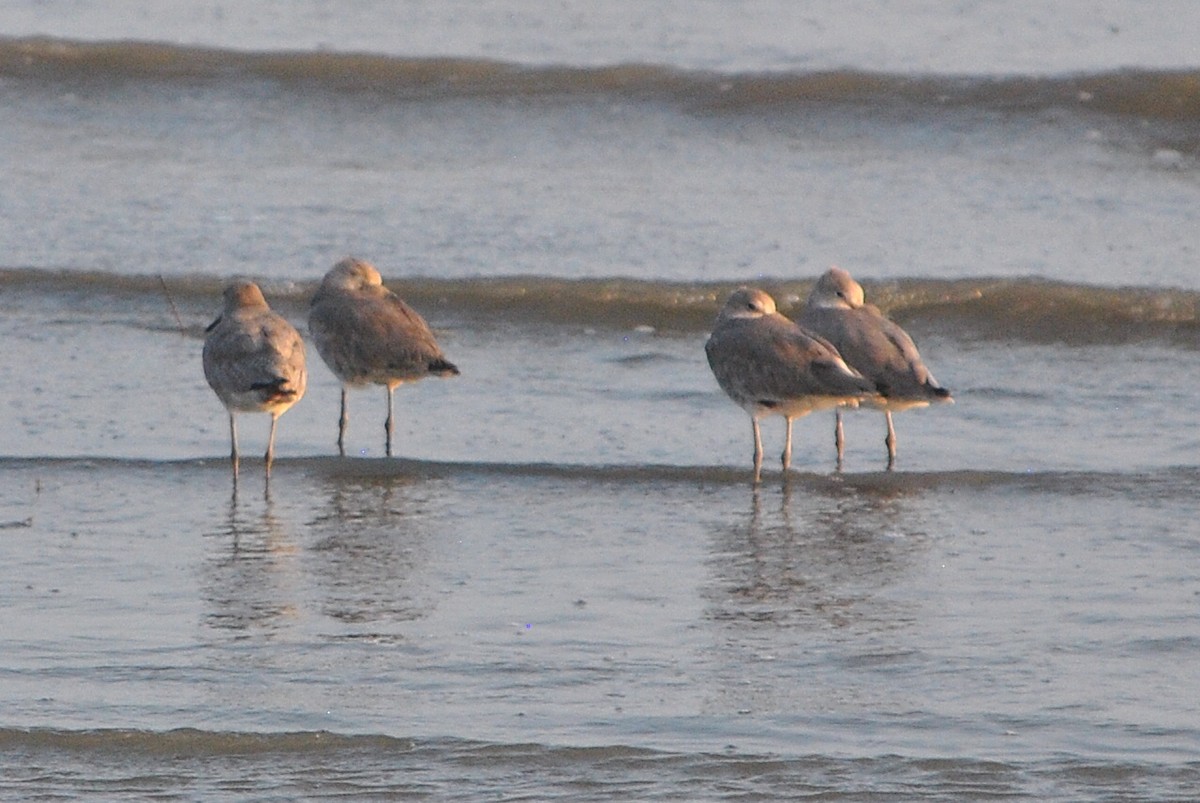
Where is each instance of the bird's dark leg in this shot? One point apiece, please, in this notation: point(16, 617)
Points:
point(839, 438)
point(270, 456)
point(786, 457)
point(390, 425)
point(890, 440)
point(233, 451)
point(758, 450)
point(343, 421)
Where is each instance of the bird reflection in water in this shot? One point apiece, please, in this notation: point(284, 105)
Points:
point(372, 553)
point(817, 551)
point(252, 577)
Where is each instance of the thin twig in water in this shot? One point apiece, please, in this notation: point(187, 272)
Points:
point(174, 309)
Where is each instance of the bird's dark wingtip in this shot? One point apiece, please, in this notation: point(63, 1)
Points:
point(276, 390)
point(441, 367)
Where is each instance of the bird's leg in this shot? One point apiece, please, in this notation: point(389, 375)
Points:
point(343, 420)
point(390, 424)
point(270, 456)
point(233, 452)
point(758, 450)
point(786, 457)
point(890, 440)
point(839, 438)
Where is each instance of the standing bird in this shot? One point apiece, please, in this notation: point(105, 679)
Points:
point(874, 346)
point(770, 366)
point(367, 335)
point(254, 361)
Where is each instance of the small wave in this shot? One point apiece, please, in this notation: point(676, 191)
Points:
point(321, 764)
point(189, 741)
point(1170, 482)
point(1012, 309)
point(1148, 94)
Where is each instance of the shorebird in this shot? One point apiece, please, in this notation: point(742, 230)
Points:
point(875, 347)
point(367, 335)
point(254, 361)
point(770, 366)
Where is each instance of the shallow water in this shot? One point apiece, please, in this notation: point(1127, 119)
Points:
point(566, 587)
point(1019, 631)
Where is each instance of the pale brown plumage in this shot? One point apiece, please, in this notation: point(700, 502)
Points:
point(770, 366)
point(254, 361)
point(367, 335)
point(874, 346)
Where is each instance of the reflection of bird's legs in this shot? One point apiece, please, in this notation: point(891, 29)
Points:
point(758, 452)
point(839, 438)
point(390, 424)
point(233, 452)
point(786, 457)
point(343, 421)
point(890, 440)
point(270, 456)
